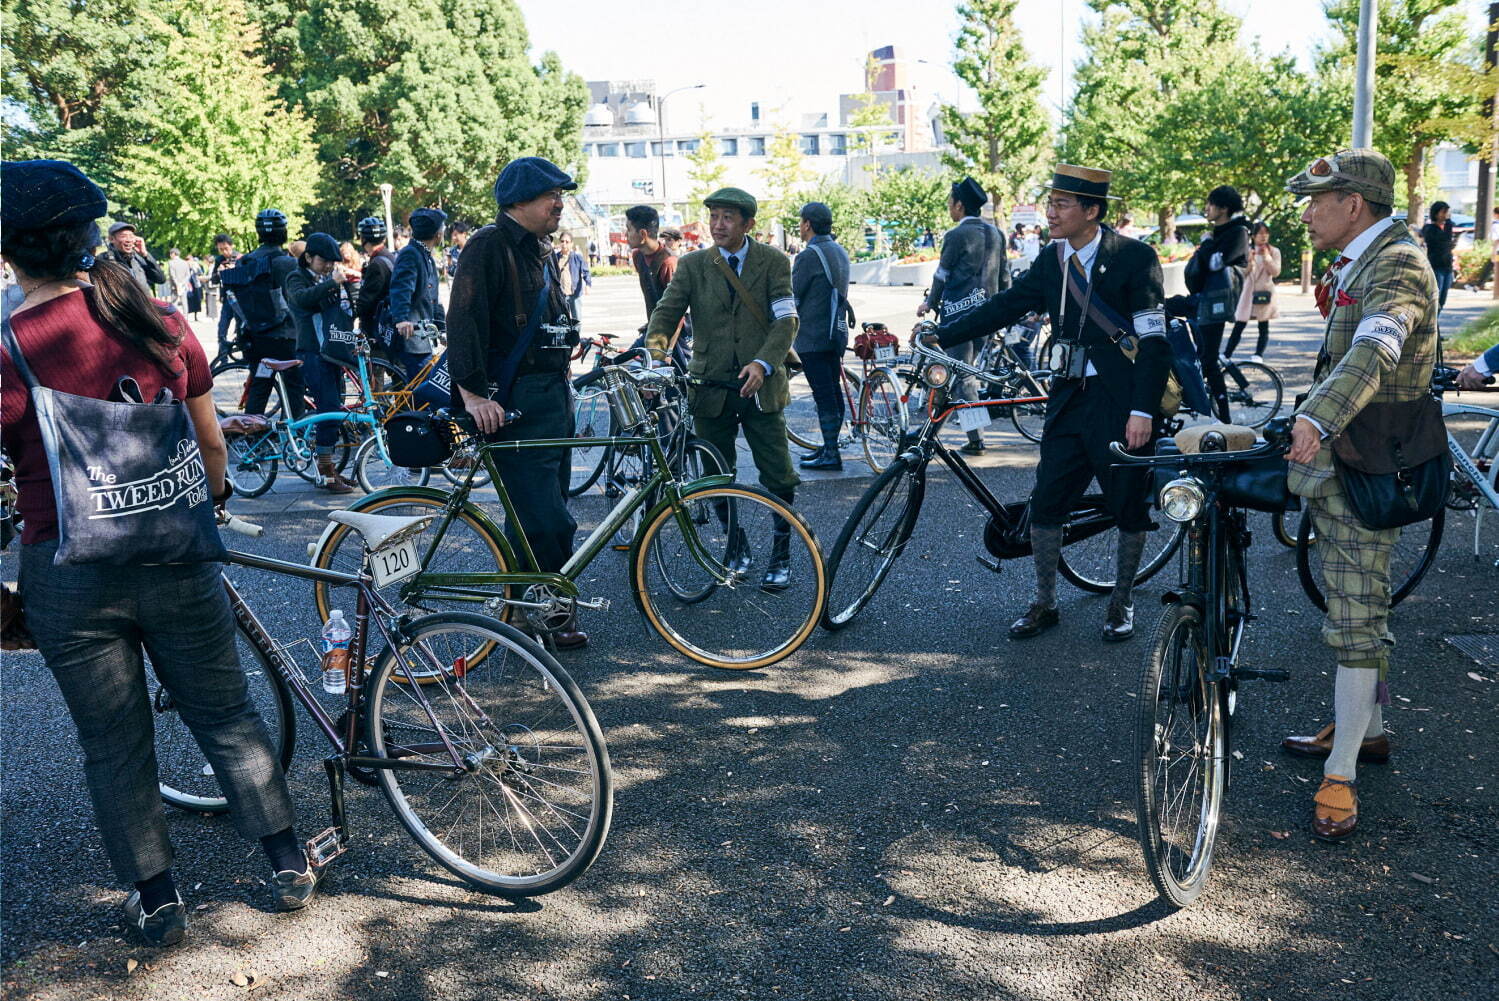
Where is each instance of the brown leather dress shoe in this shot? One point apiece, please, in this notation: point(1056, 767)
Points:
point(570, 639)
point(1374, 750)
point(1335, 808)
point(1036, 620)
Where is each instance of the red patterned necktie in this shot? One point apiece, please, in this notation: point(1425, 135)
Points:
point(1325, 287)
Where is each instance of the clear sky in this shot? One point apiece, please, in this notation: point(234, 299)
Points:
point(810, 51)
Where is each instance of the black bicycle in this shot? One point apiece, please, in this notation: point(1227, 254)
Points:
point(883, 519)
point(1187, 693)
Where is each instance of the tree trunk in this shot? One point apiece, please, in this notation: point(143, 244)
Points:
point(1414, 167)
point(1167, 221)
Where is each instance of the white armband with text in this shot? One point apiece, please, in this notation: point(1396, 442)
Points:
point(1150, 323)
point(780, 309)
point(1386, 331)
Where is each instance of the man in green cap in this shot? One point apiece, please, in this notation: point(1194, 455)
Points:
point(1379, 345)
point(743, 320)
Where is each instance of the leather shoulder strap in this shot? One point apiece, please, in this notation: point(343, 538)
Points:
point(738, 286)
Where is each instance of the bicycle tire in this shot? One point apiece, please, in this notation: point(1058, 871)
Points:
point(756, 513)
point(699, 459)
point(520, 763)
point(882, 419)
point(251, 474)
point(341, 548)
point(1260, 400)
point(1170, 685)
point(231, 390)
point(457, 474)
point(597, 422)
point(880, 497)
point(1029, 418)
point(181, 762)
point(800, 413)
point(1415, 552)
point(384, 397)
point(373, 473)
point(343, 450)
point(1090, 565)
point(1284, 526)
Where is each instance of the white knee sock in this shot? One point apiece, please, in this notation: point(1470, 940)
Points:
point(1376, 723)
point(1353, 706)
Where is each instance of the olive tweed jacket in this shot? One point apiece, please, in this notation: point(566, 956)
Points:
point(726, 336)
point(1379, 345)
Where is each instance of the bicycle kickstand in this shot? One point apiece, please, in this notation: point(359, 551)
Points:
point(328, 845)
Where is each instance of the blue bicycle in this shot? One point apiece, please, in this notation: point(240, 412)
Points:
point(259, 446)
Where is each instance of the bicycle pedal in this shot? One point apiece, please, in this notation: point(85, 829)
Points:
point(596, 605)
point(326, 846)
point(1250, 674)
point(989, 563)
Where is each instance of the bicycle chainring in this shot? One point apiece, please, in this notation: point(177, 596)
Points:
point(557, 613)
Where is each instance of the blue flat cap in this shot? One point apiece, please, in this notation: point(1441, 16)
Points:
point(529, 177)
point(426, 222)
point(36, 194)
point(324, 246)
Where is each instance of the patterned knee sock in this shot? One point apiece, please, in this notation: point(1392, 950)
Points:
point(1046, 545)
point(1127, 564)
point(1353, 705)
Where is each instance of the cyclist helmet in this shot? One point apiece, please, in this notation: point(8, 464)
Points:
point(270, 222)
point(372, 229)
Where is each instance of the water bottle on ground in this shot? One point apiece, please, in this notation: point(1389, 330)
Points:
point(336, 637)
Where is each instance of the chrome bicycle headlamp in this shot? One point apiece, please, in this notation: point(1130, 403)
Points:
point(936, 375)
point(1182, 500)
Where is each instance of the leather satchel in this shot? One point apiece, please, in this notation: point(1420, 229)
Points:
point(1393, 463)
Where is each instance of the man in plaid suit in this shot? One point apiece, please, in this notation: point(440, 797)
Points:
point(1379, 346)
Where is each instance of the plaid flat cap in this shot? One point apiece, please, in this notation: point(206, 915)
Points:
point(1365, 171)
point(36, 194)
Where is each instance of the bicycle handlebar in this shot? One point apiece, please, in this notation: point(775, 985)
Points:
point(1444, 379)
point(1266, 448)
point(240, 525)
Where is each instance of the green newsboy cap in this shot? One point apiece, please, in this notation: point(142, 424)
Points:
point(1366, 171)
point(733, 198)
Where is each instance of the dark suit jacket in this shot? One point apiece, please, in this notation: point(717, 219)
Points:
point(1127, 276)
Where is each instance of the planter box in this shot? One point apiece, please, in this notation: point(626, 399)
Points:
point(919, 273)
point(876, 272)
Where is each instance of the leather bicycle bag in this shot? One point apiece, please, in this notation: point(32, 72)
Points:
point(1107, 320)
point(793, 360)
point(127, 476)
point(1393, 464)
point(1255, 484)
point(867, 343)
point(416, 440)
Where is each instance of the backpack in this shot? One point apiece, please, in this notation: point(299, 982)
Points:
point(260, 299)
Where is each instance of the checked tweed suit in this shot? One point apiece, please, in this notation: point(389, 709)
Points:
point(728, 336)
point(1379, 346)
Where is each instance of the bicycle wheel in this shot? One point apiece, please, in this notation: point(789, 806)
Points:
point(1029, 418)
point(387, 380)
point(1181, 743)
point(231, 390)
point(528, 809)
point(591, 419)
point(252, 462)
point(626, 468)
point(698, 459)
point(301, 456)
point(455, 470)
point(802, 425)
point(374, 473)
point(1414, 553)
point(1284, 527)
point(739, 623)
point(468, 546)
point(882, 420)
point(1090, 562)
point(186, 779)
point(1258, 399)
point(872, 539)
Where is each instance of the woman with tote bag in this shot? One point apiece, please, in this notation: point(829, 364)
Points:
point(107, 413)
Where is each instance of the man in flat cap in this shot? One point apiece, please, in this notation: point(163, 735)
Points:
point(973, 267)
point(128, 250)
point(413, 289)
point(1373, 375)
point(1104, 294)
point(508, 348)
point(743, 320)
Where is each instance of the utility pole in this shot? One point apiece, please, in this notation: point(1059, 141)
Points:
point(1363, 78)
point(1486, 163)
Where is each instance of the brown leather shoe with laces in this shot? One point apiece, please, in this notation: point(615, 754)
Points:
point(1374, 750)
point(1335, 808)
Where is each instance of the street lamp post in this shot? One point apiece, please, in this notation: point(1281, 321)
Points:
point(661, 139)
point(390, 229)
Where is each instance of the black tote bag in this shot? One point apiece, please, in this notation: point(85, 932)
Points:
point(127, 476)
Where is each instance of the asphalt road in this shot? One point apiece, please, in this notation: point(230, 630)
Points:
point(913, 808)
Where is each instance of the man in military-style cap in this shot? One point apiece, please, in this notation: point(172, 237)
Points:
point(974, 266)
point(1378, 347)
point(509, 342)
point(744, 320)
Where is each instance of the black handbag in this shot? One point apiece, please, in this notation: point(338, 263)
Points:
point(1261, 298)
point(127, 475)
point(1393, 464)
point(416, 440)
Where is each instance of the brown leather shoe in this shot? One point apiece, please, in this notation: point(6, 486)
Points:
point(1335, 808)
point(332, 480)
point(1036, 620)
point(1374, 750)
point(570, 639)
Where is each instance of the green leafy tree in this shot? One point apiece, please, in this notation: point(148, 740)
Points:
point(706, 172)
point(430, 96)
point(908, 201)
point(787, 177)
point(1141, 58)
point(847, 204)
point(869, 120)
point(1006, 144)
point(1419, 44)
